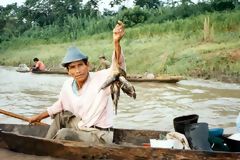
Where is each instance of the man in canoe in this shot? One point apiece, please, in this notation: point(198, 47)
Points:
point(84, 111)
point(104, 63)
point(38, 66)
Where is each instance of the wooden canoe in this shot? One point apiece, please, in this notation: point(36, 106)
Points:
point(128, 144)
point(44, 72)
point(162, 79)
point(50, 72)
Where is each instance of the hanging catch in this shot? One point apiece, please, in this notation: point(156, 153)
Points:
point(116, 81)
point(117, 78)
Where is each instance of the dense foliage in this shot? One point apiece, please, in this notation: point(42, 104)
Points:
point(177, 37)
point(56, 21)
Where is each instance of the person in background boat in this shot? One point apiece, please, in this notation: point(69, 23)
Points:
point(104, 63)
point(38, 66)
point(84, 112)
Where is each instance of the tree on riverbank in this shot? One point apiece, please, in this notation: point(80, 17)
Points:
point(46, 19)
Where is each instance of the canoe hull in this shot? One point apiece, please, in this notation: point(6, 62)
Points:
point(155, 80)
point(163, 79)
point(50, 72)
point(167, 79)
point(128, 149)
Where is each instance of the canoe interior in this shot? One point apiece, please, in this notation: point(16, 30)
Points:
point(135, 137)
point(29, 130)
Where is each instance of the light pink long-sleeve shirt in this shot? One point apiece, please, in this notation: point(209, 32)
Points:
point(92, 105)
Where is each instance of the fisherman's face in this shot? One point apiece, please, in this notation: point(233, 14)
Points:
point(79, 71)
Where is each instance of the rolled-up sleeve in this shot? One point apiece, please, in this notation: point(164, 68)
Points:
point(55, 108)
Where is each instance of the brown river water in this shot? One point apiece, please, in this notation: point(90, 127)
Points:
point(156, 105)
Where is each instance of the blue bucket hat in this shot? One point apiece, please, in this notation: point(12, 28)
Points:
point(73, 54)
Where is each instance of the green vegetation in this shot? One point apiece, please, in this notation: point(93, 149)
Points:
point(162, 40)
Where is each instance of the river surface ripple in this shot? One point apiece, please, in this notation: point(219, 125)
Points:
point(156, 104)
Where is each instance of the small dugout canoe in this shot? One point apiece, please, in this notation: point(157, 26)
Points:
point(44, 72)
point(50, 72)
point(128, 144)
point(162, 79)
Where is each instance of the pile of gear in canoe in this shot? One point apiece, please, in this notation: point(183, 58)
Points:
point(194, 135)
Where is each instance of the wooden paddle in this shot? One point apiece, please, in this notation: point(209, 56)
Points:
point(19, 117)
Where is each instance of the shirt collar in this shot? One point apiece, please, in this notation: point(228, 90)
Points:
point(75, 85)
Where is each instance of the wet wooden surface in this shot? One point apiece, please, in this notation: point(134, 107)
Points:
point(131, 149)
